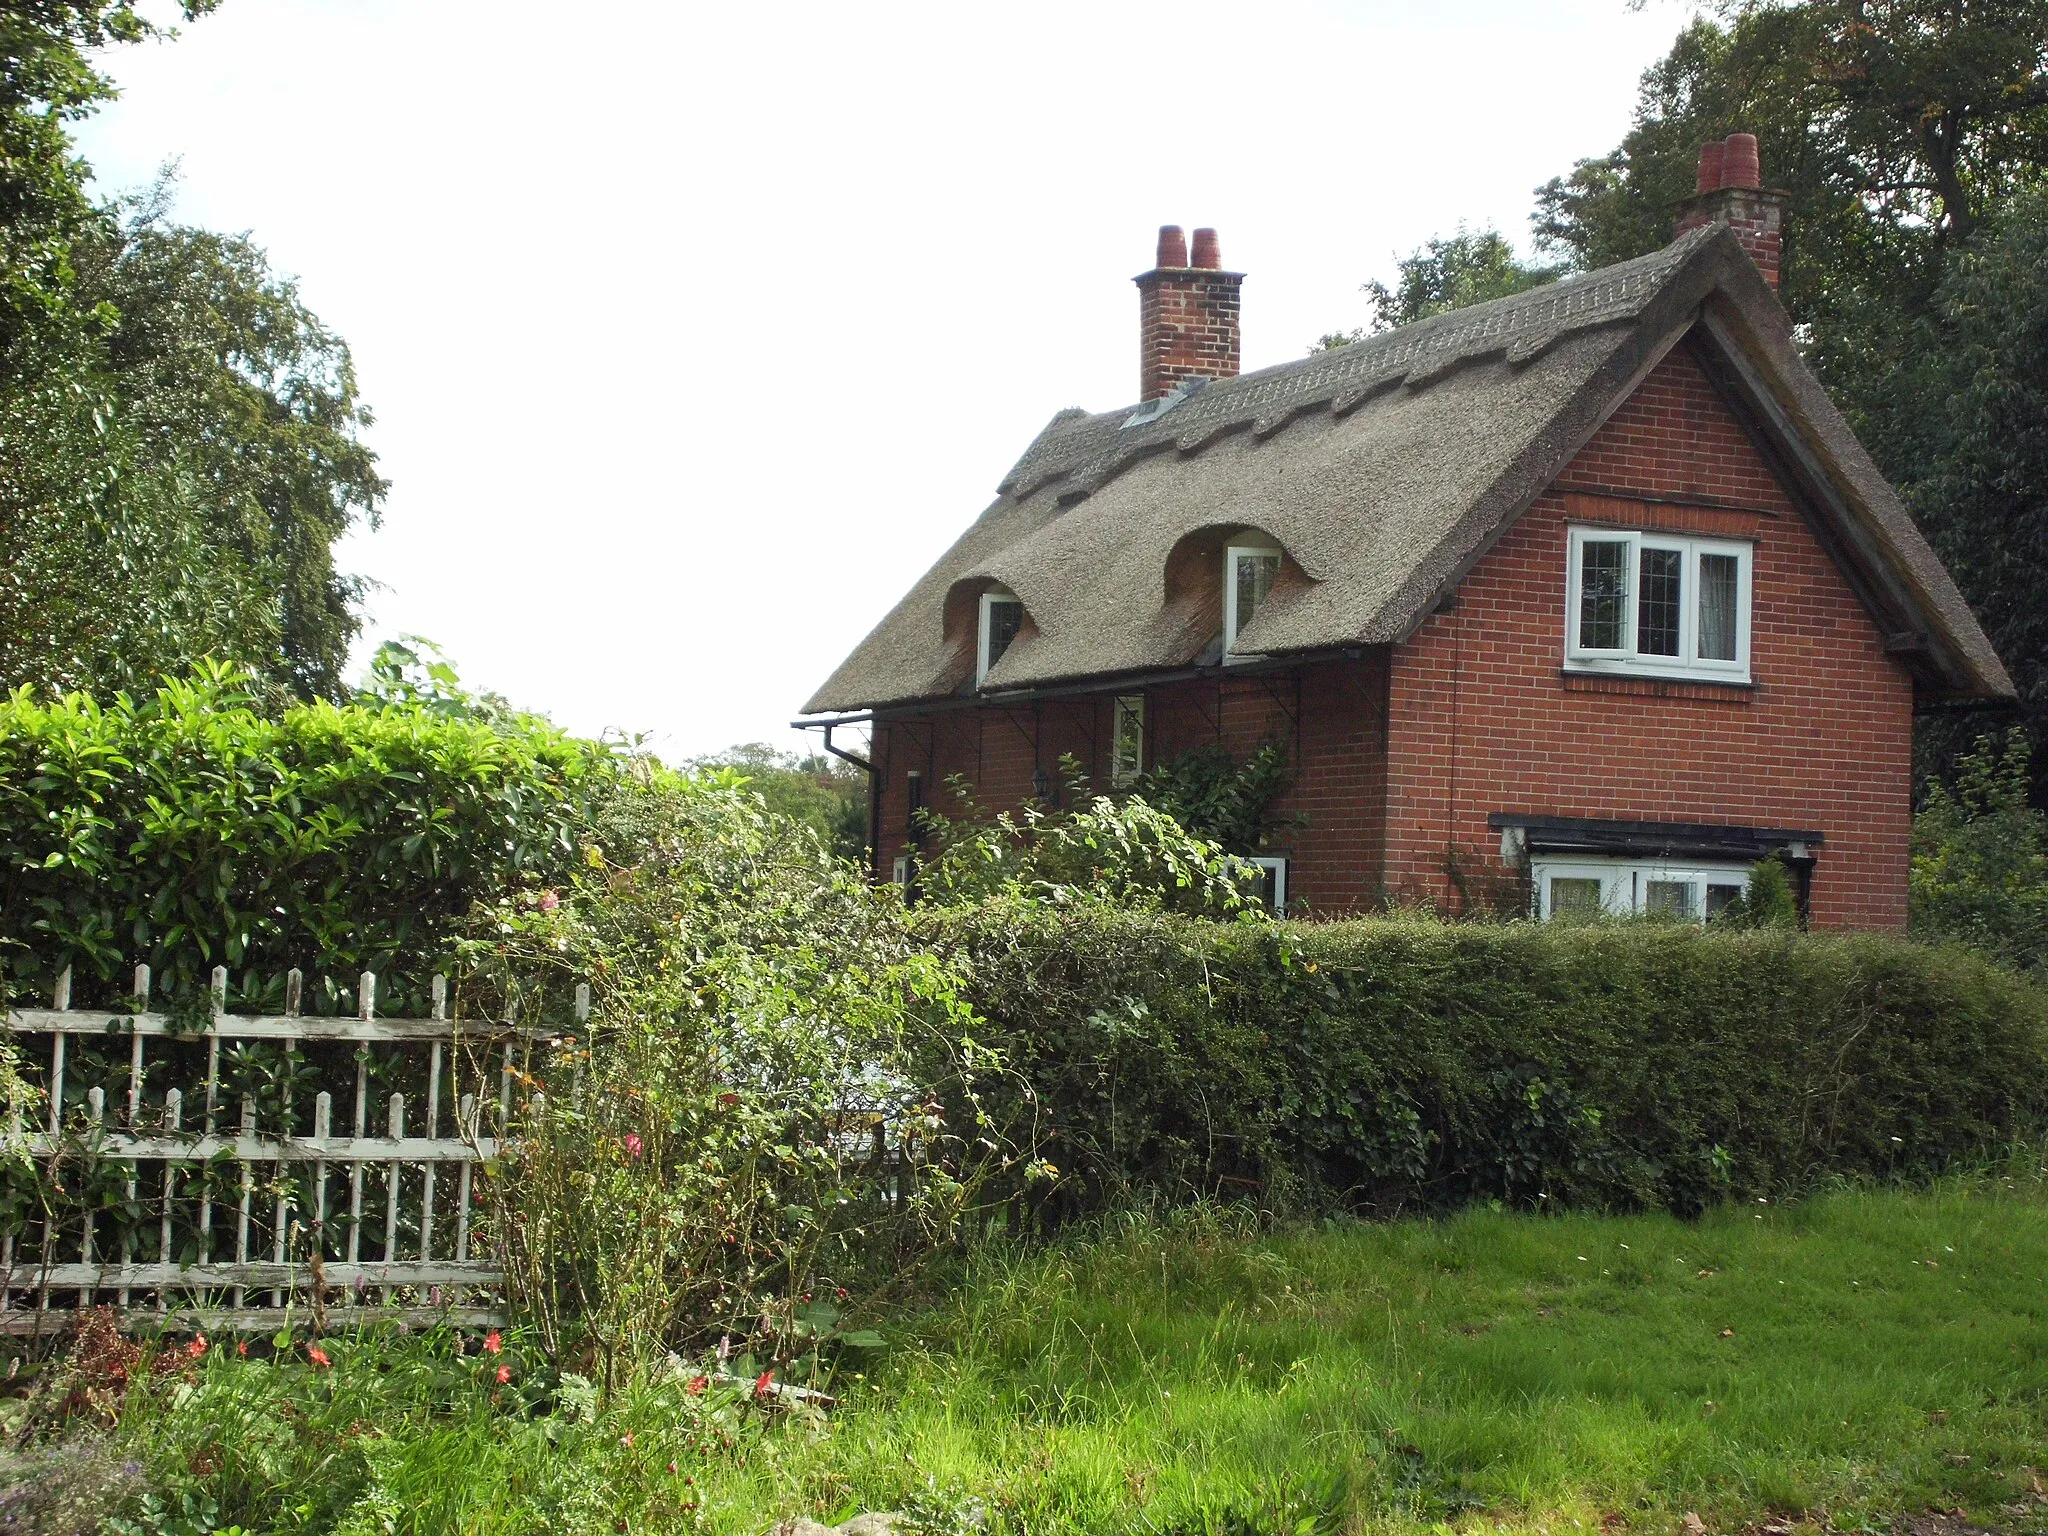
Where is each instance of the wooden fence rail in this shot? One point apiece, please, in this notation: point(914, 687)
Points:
point(167, 1205)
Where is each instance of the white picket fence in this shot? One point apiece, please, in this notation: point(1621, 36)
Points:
point(356, 1226)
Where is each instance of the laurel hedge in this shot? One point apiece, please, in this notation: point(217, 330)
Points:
point(1396, 1064)
point(194, 827)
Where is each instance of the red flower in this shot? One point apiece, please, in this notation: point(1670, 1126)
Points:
point(318, 1356)
point(632, 1145)
point(764, 1381)
point(697, 1384)
point(728, 1099)
point(242, 1348)
point(197, 1347)
point(504, 1374)
point(493, 1342)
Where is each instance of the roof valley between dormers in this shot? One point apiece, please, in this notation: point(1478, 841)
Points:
point(1079, 453)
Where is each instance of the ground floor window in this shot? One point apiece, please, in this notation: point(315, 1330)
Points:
point(1629, 887)
point(1272, 883)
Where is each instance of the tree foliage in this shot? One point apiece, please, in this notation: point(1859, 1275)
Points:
point(1446, 273)
point(1980, 856)
point(182, 437)
point(826, 794)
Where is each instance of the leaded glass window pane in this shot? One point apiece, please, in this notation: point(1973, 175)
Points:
point(1658, 611)
point(1603, 595)
point(1717, 607)
point(1668, 898)
point(1256, 574)
point(1574, 897)
point(1005, 618)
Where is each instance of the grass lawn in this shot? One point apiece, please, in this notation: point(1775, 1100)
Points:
point(1848, 1360)
point(1860, 1354)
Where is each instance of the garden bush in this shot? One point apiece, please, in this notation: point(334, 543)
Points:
point(190, 828)
point(1391, 1064)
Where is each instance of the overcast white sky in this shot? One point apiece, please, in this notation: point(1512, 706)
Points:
point(696, 331)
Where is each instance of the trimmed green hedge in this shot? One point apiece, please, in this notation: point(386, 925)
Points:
point(188, 829)
point(1392, 1064)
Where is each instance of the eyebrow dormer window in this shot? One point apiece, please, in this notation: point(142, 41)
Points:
point(1650, 603)
point(1002, 615)
point(1249, 571)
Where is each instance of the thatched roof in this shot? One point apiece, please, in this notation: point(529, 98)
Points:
point(1384, 469)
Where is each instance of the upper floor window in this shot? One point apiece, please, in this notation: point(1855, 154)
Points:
point(1657, 604)
point(1249, 571)
point(1002, 615)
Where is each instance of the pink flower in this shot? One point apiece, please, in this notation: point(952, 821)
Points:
point(632, 1146)
point(504, 1374)
point(493, 1342)
point(549, 901)
point(318, 1356)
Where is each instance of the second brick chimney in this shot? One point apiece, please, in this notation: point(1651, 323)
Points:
point(1730, 191)
point(1187, 315)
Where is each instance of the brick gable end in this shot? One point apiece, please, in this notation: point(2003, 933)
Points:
point(1483, 720)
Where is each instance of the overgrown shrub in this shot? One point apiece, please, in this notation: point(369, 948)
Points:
point(1980, 856)
point(1124, 853)
point(754, 1127)
point(189, 829)
point(1391, 1064)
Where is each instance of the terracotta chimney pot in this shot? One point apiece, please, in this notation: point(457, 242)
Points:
point(1208, 254)
point(1711, 159)
point(1173, 247)
point(1740, 166)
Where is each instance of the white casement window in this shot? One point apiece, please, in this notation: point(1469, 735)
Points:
point(1002, 615)
point(1249, 571)
point(1273, 883)
point(1659, 605)
point(899, 872)
point(1127, 741)
point(1584, 888)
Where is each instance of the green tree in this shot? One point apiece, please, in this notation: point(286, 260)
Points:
point(1980, 856)
point(1448, 272)
point(182, 445)
point(826, 794)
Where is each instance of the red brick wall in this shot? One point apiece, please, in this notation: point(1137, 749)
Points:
point(1188, 321)
point(1483, 721)
point(1330, 718)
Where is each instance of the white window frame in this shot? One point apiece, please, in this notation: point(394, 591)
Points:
point(1277, 867)
point(1688, 663)
point(1230, 624)
point(1624, 883)
point(1128, 707)
point(899, 871)
point(989, 599)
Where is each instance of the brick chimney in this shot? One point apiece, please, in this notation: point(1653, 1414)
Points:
point(1187, 315)
point(1730, 191)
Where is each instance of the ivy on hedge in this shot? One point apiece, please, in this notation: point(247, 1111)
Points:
point(187, 829)
point(1395, 1064)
